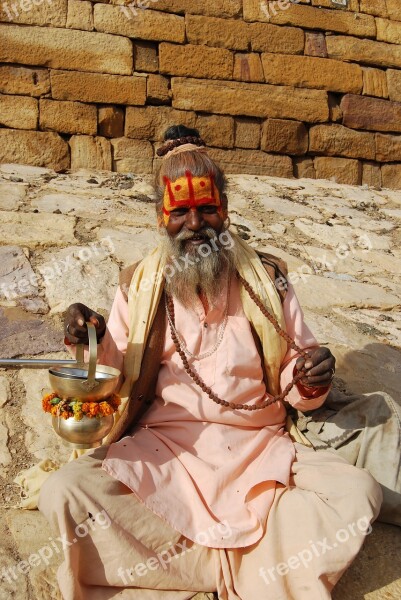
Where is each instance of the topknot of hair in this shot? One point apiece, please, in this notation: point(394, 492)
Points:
point(175, 143)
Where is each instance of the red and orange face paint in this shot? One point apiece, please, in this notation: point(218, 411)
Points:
point(190, 192)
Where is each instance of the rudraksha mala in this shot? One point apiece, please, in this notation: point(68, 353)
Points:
point(192, 373)
point(171, 144)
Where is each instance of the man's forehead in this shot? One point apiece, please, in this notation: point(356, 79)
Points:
point(189, 192)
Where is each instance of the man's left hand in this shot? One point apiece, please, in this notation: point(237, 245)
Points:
point(320, 368)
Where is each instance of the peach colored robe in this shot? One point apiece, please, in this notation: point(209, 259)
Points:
point(192, 462)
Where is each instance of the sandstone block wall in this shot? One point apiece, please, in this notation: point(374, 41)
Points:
point(304, 89)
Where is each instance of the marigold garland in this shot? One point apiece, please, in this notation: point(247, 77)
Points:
point(72, 407)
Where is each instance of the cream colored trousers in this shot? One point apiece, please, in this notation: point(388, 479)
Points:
point(116, 548)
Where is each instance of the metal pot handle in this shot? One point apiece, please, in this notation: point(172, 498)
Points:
point(91, 382)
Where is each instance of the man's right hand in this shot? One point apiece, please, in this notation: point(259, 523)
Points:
point(75, 329)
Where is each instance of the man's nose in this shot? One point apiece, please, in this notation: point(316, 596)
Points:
point(194, 219)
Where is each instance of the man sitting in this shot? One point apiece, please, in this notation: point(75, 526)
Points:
point(204, 487)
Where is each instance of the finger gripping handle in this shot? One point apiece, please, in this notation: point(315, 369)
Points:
point(91, 382)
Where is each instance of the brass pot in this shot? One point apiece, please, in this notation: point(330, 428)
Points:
point(86, 433)
point(91, 382)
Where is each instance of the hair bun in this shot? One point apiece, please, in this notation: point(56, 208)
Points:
point(175, 132)
point(178, 135)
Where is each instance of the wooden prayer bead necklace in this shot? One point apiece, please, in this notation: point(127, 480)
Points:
point(220, 331)
point(195, 377)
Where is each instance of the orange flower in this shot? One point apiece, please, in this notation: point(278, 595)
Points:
point(46, 402)
point(106, 409)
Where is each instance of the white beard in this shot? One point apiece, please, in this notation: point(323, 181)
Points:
point(207, 275)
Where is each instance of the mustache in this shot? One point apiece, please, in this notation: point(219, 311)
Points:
point(207, 232)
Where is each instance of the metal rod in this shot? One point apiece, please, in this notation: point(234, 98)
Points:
point(33, 362)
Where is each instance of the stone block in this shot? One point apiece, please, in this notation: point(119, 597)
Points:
point(284, 137)
point(80, 15)
point(247, 133)
point(36, 230)
point(372, 114)
point(21, 80)
point(211, 8)
point(388, 31)
point(131, 244)
point(341, 293)
point(311, 72)
point(391, 176)
point(377, 8)
point(250, 99)
point(151, 122)
point(196, 61)
point(218, 33)
point(340, 170)
point(111, 121)
point(371, 174)
point(304, 168)
point(393, 8)
point(34, 148)
point(66, 48)
point(374, 83)
point(92, 153)
point(216, 131)
point(68, 117)
point(271, 38)
point(253, 162)
point(92, 277)
point(48, 13)
point(368, 52)
point(388, 147)
point(248, 67)
point(19, 112)
point(132, 156)
point(18, 280)
point(11, 195)
point(310, 17)
point(394, 84)
point(138, 23)
point(146, 57)
point(336, 140)
point(98, 88)
point(315, 44)
point(22, 334)
point(158, 89)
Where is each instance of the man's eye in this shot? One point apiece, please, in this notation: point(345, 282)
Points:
point(179, 212)
point(209, 209)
